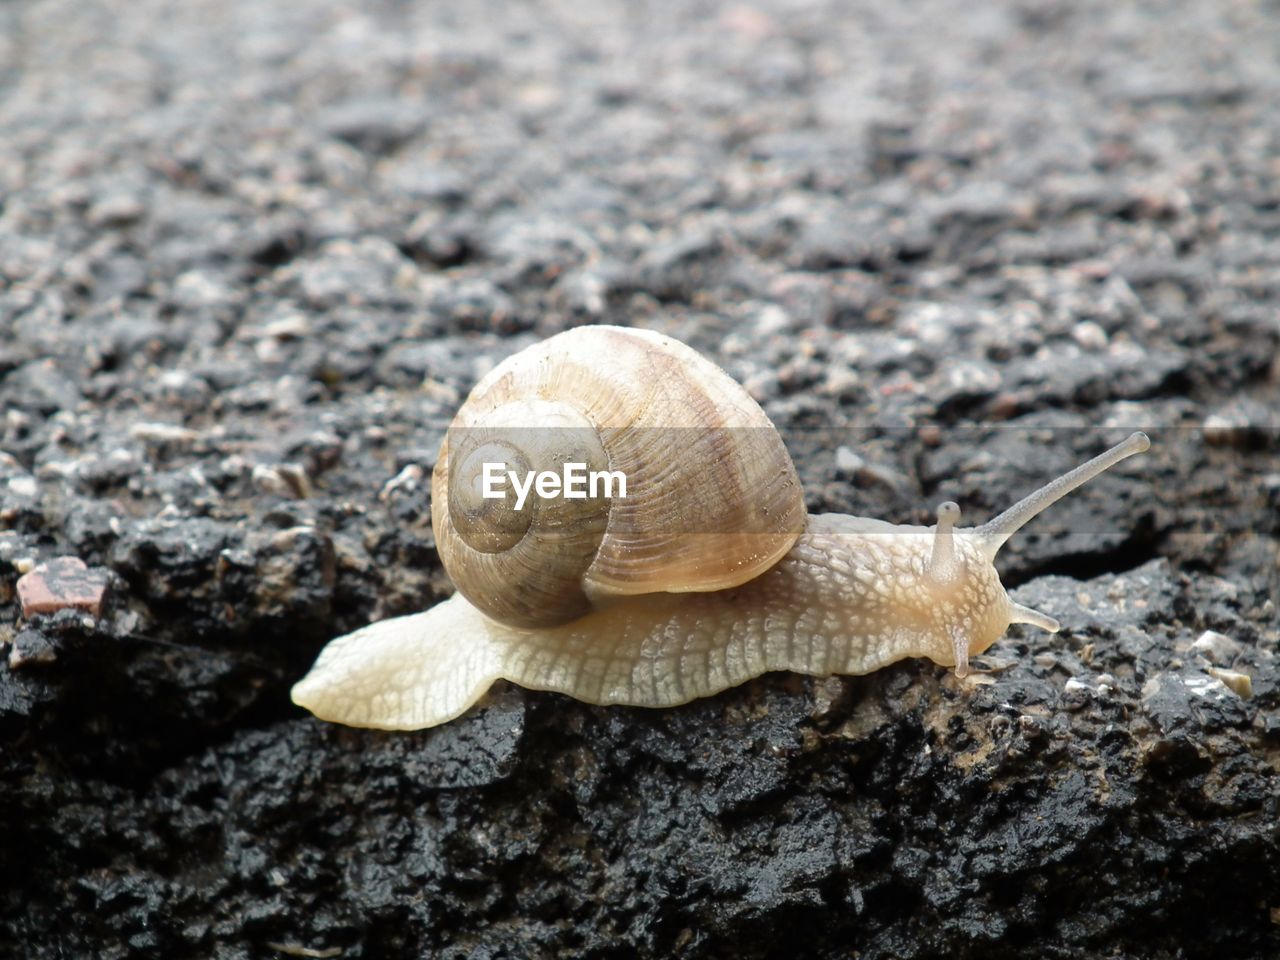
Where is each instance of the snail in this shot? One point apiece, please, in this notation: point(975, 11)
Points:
point(706, 573)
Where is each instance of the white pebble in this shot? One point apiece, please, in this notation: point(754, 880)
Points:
point(1216, 647)
point(1241, 684)
point(1089, 335)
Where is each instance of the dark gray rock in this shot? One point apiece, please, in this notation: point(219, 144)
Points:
point(374, 124)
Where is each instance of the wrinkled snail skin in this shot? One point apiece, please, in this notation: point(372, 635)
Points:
point(851, 595)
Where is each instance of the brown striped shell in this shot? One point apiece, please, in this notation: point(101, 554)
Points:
point(712, 501)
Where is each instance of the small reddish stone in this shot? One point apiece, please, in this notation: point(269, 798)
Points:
point(1004, 405)
point(61, 583)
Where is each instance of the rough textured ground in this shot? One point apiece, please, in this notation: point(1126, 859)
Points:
point(252, 255)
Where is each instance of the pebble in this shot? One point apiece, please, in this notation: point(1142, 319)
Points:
point(1234, 424)
point(408, 479)
point(1217, 647)
point(287, 480)
point(160, 433)
point(1241, 684)
point(848, 463)
point(117, 210)
point(60, 584)
point(31, 648)
point(1089, 335)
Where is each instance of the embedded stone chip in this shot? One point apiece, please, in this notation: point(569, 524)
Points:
point(60, 584)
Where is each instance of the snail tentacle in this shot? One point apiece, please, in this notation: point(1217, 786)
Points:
point(996, 531)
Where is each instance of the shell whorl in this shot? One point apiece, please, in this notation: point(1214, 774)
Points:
point(712, 501)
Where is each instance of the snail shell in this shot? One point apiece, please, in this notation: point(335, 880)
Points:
point(712, 501)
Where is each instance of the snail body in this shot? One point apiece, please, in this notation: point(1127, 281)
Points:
point(820, 595)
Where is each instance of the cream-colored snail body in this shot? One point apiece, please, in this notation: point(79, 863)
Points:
point(707, 574)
